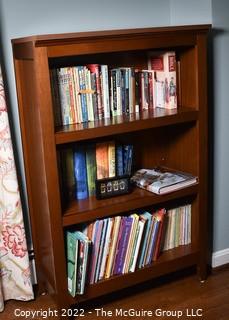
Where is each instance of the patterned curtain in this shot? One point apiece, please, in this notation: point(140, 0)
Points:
point(15, 280)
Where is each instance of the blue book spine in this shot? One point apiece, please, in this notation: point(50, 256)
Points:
point(152, 242)
point(80, 172)
point(119, 160)
point(127, 158)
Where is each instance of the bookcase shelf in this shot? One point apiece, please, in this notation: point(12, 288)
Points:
point(126, 123)
point(91, 208)
point(175, 260)
point(175, 138)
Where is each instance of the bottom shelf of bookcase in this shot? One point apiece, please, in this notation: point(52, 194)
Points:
point(169, 261)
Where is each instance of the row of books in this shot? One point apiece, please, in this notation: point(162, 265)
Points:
point(122, 244)
point(82, 165)
point(93, 92)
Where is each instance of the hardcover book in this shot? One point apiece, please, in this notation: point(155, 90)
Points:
point(162, 180)
point(80, 173)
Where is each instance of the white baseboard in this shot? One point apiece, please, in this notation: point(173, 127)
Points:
point(220, 258)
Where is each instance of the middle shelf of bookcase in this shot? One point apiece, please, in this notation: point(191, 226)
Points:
point(79, 211)
point(126, 123)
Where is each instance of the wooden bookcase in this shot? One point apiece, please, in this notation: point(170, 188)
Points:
point(177, 139)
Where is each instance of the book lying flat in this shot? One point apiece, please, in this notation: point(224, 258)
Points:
point(161, 180)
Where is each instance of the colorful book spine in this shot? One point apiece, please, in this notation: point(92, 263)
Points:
point(102, 160)
point(107, 246)
point(122, 244)
point(101, 249)
point(112, 249)
point(63, 83)
point(83, 98)
point(137, 244)
point(94, 68)
point(96, 246)
point(148, 218)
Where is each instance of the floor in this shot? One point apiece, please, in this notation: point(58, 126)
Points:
point(174, 297)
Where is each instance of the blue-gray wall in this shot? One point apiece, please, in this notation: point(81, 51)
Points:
point(220, 21)
point(28, 17)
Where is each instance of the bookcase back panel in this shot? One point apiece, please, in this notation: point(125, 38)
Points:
point(137, 59)
point(172, 146)
point(122, 43)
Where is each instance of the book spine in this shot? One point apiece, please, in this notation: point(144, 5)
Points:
point(111, 159)
point(63, 83)
point(83, 94)
point(96, 243)
point(114, 243)
point(131, 243)
point(55, 97)
point(133, 262)
point(67, 170)
point(94, 96)
point(119, 160)
point(91, 169)
point(122, 245)
point(73, 112)
point(105, 93)
point(90, 111)
point(107, 246)
point(119, 92)
point(72, 256)
point(77, 94)
point(80, 173)
point(102, 160)
point(79, 287)
point(101, 249)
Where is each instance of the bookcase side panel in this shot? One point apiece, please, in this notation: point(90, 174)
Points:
point(53, 216)
point(203, 154)
point(34, 170)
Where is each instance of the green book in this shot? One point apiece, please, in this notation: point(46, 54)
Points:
point(68, 173)
point(91, 168)
point(72, 254)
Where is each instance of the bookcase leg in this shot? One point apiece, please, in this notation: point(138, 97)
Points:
point(202, 271)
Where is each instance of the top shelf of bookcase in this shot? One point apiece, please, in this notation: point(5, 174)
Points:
point(122, 124)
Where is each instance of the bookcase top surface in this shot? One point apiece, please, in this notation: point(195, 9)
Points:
point(52, 39)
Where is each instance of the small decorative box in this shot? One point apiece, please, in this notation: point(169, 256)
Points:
point(110, 187)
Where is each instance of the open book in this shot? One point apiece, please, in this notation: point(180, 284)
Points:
point(161, 180)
